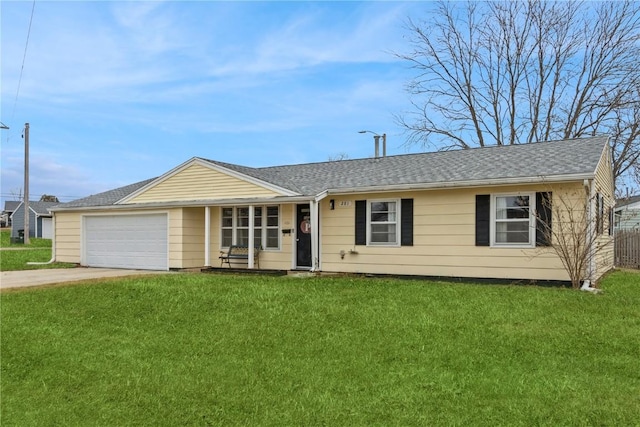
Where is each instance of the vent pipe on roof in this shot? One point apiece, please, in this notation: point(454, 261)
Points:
point(376, 139)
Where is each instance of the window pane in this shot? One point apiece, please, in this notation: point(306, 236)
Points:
point(383, 211)
point(512, 232)
point(242, 236)
point(383, 233)
point(272, 216)
point(257, 216)
point(227, 236)
point(227, 222)
point(272, 238)
point(512, 207)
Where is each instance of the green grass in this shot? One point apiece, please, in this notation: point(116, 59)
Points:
point(204, 350)
point(19, 255)
point(5, 241)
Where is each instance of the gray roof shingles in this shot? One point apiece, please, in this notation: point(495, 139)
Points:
point(544, 159)
point(42, 208)
point(106, 198)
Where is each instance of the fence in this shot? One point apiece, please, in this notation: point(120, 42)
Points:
point(627, 250)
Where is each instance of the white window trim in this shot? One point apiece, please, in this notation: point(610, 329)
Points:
point(398, 223)
point(263, 227)
point(532, 221)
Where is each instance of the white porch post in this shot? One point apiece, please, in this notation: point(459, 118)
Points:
point(315, 261)
point(251, 235)
point(207, 236)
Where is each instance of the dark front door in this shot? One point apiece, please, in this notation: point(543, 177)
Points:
point(303, 237)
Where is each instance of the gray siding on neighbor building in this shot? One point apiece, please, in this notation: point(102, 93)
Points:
point(35, 220)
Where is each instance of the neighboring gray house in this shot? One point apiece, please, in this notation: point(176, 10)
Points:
point(40, 222)
point(627, 213)
point(9, 208)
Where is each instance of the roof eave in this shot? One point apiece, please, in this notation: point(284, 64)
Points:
point(303, 198)
point(191, 203)
point(466, 184)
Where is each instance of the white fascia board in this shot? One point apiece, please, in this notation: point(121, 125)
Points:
point(16, 209)
point(464, 184)
point(203, 163)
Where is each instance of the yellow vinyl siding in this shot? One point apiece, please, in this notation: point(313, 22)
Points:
point(188, 231)
point(443, 240)
point(67, 236)
point(197, 182)
point(604, 185)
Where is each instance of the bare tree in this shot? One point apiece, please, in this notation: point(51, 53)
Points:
point(338, 157)
point(493, 73)
point(580, 232)
point(17, 194)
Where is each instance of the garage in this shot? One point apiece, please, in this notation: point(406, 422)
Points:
point(126, 241)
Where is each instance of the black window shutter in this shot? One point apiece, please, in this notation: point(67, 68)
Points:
point(611, 221)
point(361, 222)
point(483, 219)
point(406, 222)
point(543, 219)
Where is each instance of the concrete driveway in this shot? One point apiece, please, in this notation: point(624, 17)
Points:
point(26, 278)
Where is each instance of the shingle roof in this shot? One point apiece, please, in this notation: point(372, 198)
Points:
point(11, 205)
point(568, 157)
point(107, 198)
point(42, 208)
point(513, 162)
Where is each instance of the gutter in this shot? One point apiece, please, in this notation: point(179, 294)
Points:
point(464, 184)
point(188, 203)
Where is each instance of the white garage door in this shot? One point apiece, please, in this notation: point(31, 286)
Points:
point(47, 228)
point(126, 241)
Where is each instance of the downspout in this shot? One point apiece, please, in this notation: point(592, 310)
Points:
point(53, 244)
point(315, 231)
point(586, 284)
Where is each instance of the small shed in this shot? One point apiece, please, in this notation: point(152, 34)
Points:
point(40, 220)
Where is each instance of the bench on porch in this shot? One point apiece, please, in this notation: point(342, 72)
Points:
point(239, 253)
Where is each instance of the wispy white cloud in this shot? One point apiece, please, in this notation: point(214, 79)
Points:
point(121, 90)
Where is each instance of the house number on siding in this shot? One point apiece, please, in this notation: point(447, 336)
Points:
point(344, 204)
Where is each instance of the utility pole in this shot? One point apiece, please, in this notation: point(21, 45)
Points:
point(26, 184)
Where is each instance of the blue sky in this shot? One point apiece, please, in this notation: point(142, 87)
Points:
point(118, 92)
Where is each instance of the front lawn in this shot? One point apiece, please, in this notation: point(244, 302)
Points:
point(205, 349)
point(16, 256)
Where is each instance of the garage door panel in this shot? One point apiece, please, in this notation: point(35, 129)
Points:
point(127, 241)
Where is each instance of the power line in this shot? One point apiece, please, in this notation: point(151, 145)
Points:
point(24, 57)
